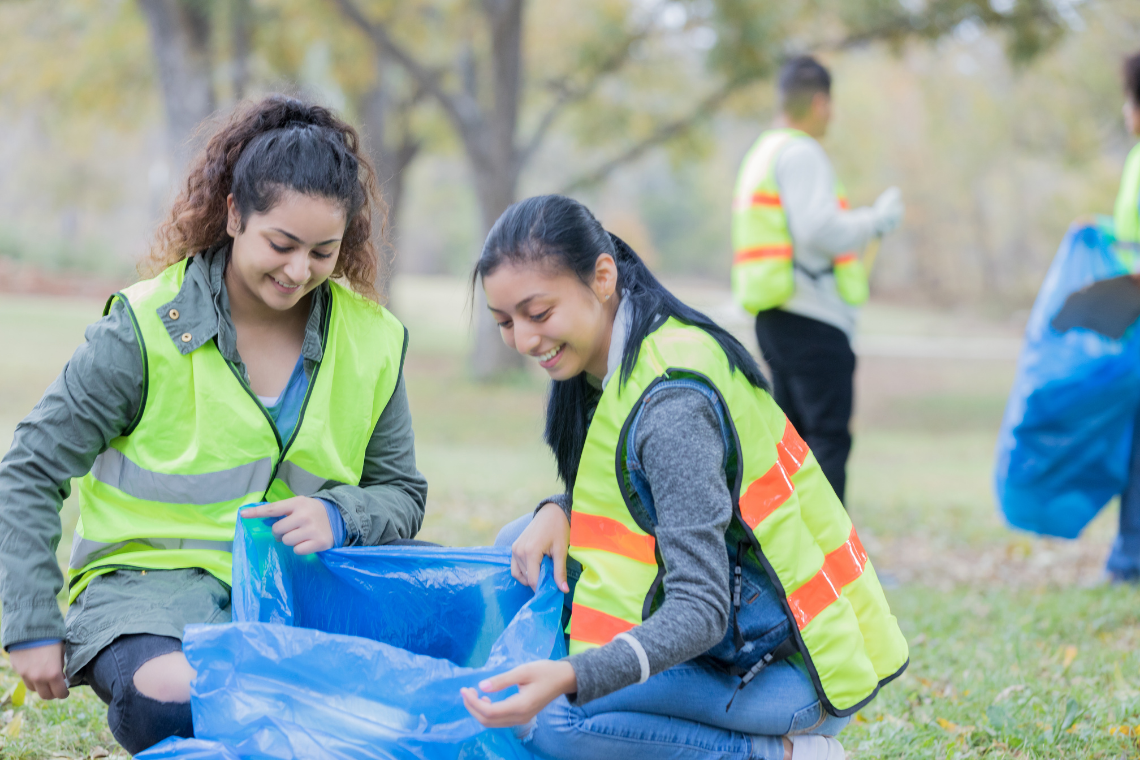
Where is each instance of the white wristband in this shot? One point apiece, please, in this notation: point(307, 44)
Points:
point(642, 657)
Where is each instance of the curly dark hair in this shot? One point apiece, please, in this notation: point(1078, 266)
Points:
point(264, 148)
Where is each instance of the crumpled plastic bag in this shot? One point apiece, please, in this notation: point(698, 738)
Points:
point(1066, 437)
point(176, 748)
point(361, 652)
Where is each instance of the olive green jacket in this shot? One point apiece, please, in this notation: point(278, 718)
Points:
point(95, 398)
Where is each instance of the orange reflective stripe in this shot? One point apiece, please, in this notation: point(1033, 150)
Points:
point(608, 535)
point(765, 494)
point(760, 198)
point(762, 252)
point(843, 204)
point(773, 488)
point(844, 258)
point(594, 626)
point(791, 449)
point(840, 567)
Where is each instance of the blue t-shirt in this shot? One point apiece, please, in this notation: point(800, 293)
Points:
point(287, 408)
point(285, 411)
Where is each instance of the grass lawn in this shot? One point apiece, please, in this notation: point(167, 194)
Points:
point(1014, 650)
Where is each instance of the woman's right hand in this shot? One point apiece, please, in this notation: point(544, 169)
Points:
point(42, 670)
point(548, 535)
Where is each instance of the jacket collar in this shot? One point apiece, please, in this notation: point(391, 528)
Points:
point(201, 310)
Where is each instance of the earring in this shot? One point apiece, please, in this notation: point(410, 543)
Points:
point(607, 296)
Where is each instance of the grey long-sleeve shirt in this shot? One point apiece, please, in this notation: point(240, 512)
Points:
point(679, 445)
point(94, 400)
point(820, 231)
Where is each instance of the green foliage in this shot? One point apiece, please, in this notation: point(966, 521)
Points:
point(78, 60)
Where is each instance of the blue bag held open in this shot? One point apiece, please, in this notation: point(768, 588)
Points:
point(361, 652)
point(1066, 437)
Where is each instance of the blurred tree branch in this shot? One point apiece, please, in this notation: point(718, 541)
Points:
point(482, 91)
point(1032, 25)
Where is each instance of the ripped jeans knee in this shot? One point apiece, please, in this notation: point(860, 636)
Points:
point(136, 720)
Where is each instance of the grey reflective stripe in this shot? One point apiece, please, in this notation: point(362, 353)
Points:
point(302, 482)
point(114, 469)
point(84, 551)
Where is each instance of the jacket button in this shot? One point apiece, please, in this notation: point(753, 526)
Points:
point(173, 314)
point(187, 337)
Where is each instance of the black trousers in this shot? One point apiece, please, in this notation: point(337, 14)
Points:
point(813, 377)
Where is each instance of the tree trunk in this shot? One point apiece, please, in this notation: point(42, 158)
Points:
point(496, 166)
point(180, 35)
point(491, 357)
point(242, 30)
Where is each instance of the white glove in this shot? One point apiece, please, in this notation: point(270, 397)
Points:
point(888, 210)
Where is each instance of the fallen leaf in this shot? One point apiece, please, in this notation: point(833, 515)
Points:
point(1070, 655)
point(98, 752)
point(1007, 691)
point(1120, 730)
point(947, 725)
point(19, 694)
point(859, 718)
point(14, 696)
point(13, 729)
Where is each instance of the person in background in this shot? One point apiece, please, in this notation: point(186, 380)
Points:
point(795, 266)
point(255, 367)
point(1124, 560)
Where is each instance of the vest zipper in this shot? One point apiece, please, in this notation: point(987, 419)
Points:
point(283, 447)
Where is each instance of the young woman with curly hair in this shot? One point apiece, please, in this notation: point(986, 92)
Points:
point(254, 366)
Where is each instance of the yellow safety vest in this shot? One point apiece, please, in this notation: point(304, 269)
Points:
point(1127, 212)
point(166, 492)
point(763, 266)
point(800, 532)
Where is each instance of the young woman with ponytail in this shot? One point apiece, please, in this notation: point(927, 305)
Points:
point(254, 366)
point(720, 603)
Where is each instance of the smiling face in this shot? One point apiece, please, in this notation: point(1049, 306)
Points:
point(555, 318)
point(280, 256)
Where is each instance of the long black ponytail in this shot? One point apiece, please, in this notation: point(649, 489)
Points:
point(553, 230)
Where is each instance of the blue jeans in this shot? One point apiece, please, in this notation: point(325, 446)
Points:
point(1124, 559)
point(680, 713)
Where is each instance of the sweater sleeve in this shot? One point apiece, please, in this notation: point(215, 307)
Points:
point(93, 400)
point(679, 444)
point(807, 191)
point(388, 504)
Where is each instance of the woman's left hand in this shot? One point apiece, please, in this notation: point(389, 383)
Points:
point(304, 523)
point(539, 682)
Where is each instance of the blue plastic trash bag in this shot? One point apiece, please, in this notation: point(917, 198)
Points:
point(1066, 437)
point(176, 748)
point(361, 652)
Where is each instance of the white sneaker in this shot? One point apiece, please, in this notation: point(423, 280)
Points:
point(816, 747)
